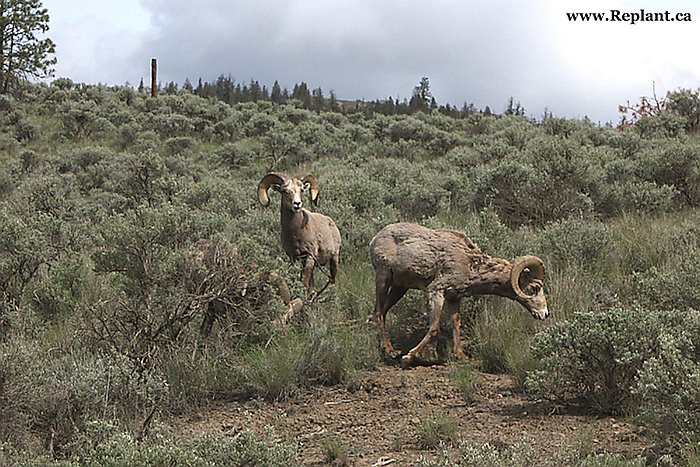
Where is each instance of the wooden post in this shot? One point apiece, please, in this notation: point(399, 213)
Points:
point(154, 86)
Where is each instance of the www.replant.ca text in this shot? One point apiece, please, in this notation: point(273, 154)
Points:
point(630, 17)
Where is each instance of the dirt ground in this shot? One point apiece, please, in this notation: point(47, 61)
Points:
point(376, 419)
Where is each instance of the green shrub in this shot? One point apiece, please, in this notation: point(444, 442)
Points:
point(179, 146)
point(597, 358)
point(488, 455)
point(104, 444)
point(575, 244)
point(83, 119)
point(48, 399)
point(466, 378)
point(64, 288)
point(298, 358)
point(673, 164)
point(525, 454)
point(666, 285)
point(637, 196)
point(685, 103)
point(334, 451)
point(502, 336)
point(434, 430)
point(668, 383)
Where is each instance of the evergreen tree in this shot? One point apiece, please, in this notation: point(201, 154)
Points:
point(22, 53)
point(333, 104)
point(276, 95)
point(187, 86)
point(225, 89)
point(255, 91)
point(301, 92)
point(317, 100)
point(514, 108)
point(421, 98)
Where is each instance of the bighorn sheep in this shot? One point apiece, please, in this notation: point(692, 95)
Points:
point(311, 237)
point(219, 280)
point(448, 266)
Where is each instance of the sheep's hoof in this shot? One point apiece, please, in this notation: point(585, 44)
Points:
point(392, 357)
point(406, 362)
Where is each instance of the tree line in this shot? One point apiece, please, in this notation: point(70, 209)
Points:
point(226, 89)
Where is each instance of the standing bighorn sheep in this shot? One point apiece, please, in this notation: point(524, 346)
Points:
point(448, 266)
point(309, 236)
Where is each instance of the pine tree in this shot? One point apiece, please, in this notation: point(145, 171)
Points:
point(421, 98)
point(333, 105)
point(187, 85)
point(301, 92)
point(276, 95)
point(317, 100)
point(22, 53)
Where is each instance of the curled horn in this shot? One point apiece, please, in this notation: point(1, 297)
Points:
point(311, 180)
point(532, 265)
point(271, 178)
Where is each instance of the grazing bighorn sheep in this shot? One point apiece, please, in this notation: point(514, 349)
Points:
point(311, 237)
point(448, 266)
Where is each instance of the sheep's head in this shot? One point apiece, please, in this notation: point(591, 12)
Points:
point(291, 189)
point(527, 280)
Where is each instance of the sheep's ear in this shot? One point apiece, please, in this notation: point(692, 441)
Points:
point(276, 187)
point(305, 187)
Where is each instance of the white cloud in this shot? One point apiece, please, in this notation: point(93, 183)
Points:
point(480, 51)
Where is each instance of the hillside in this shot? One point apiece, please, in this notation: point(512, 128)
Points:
point(105, 193)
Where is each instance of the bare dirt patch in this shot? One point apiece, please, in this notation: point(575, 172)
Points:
point(376, 418)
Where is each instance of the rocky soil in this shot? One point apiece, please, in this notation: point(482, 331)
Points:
point(376, 419)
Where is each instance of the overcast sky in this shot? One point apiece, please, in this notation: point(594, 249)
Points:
point(472, 51)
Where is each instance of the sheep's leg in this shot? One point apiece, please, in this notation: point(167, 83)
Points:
point(382, 300)
point(382, 284)
point(334, 269)
point(210, 315)
point(331, 278)
point(436, 300)
point(453, 309)
point(307, 276)
point(395, 294)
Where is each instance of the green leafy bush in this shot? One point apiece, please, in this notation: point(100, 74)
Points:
point(435, 429)
point(575, 244)
point(466, 378)
point(667, 284)
point(673, 164)
point(668, 383)
point(594, 358)
point(47, 399)
point(105, 444)
point(625, 360)
point(294, 360)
